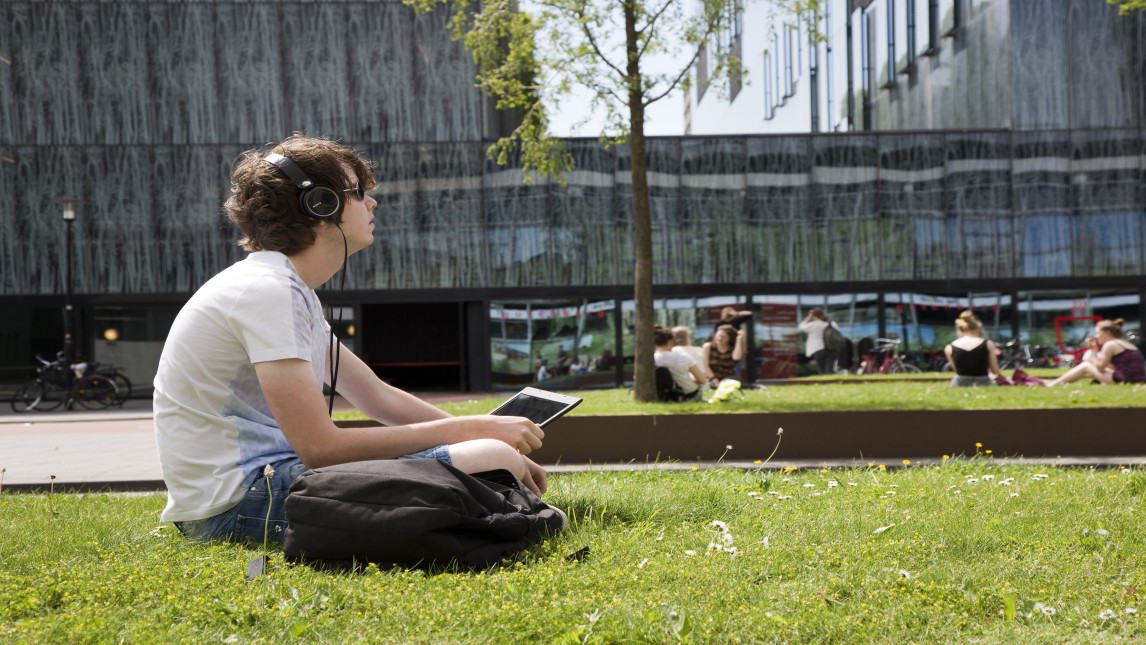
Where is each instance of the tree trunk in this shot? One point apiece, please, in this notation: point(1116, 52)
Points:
point(644, 374)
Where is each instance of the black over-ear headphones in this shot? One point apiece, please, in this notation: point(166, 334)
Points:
point(316, 200)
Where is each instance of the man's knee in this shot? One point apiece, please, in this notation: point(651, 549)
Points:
point(480, 455)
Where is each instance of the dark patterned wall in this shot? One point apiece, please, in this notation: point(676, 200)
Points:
point(139, 109)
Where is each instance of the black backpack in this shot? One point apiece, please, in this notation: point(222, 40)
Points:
point(412, 513)
point(668, 390)
point(834, 341)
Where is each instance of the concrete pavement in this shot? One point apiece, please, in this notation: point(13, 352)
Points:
point(115, 449)
point(93, 449)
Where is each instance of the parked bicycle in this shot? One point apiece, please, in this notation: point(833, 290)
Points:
point(1014, 354)
point(116, 376)
point(886, 352)
point(58, 383)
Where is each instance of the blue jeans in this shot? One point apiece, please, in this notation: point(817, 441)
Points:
point(260, 515)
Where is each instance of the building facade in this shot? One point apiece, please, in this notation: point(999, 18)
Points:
point(132, 113)
point(927, 65)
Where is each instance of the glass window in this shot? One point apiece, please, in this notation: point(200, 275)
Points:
point(705, 244)
point(946, 18)
point(904, 34)
point(978, 180)
point(567, 344)
point(856, 314)
point(778, 230)
point(769, 109)
point(591, 245)
point(1055, 323)
point(926, 321)
point(1105, 180)
point(890, 34)
point(911, 190)
point(846, 219)
point(699, 314)
point(1042, 202)
point(132, 339)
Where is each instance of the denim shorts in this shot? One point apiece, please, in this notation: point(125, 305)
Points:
point(260, 515)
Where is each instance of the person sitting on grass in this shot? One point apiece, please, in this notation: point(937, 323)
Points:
point(239, 405)
point(974, 358)
point(682, 344)
point(685, 372)
point(1117, 361)
point(723, 352)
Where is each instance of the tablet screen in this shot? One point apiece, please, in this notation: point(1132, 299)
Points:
point(536, 409)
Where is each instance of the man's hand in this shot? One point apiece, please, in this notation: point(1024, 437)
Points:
point(536, 479)
point(518, 432)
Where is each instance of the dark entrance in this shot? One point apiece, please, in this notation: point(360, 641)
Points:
point(415, 346)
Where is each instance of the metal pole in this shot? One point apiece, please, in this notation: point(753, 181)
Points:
point(69, 314)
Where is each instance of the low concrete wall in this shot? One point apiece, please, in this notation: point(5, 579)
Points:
point(884, 435)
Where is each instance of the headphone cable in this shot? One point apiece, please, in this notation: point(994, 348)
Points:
point(334, 352)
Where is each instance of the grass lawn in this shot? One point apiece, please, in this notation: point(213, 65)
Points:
point(972, 550)
point(871, 394)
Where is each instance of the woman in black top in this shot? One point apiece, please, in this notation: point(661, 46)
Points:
point(974, 357)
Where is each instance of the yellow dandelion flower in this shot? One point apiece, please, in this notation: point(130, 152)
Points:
point(882, 468)
point(946, 457)
point(988, 451)
point(978, 444)
point(757, 462)
point(906, 462)
point(693, 469)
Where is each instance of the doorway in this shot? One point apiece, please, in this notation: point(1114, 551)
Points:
point(415, 346)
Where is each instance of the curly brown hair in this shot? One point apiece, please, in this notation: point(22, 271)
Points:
point(264, 203)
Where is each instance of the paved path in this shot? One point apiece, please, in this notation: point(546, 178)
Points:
point(115, 449)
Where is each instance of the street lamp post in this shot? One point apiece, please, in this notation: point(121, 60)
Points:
point(69, 205)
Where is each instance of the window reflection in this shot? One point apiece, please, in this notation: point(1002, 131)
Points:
point(856, 314)
point(561, 344)
point(1055, 323)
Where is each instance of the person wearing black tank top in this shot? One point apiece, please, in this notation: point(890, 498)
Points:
point(975, 358)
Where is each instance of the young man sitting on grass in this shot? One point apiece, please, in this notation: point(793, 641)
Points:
point(240, 379)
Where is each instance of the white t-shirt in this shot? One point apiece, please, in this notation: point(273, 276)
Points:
point(679, 364)
point(691, 351)
point(213, 427)
point(815, 330)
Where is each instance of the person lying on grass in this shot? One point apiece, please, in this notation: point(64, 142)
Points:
point(240, 380)
point(1117, 361)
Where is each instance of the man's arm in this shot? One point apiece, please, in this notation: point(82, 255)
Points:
point(377, 399)
point(296, 402)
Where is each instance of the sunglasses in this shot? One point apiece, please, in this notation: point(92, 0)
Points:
point(357, 190)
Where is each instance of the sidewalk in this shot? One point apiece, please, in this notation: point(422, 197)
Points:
point(115, 450)
point(94, 449)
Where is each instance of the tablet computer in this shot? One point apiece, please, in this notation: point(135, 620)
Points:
point(539, 406)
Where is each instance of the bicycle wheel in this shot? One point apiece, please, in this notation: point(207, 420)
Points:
point(122, 386)
point(29, 397)
point(95, 392)
point(899, 367)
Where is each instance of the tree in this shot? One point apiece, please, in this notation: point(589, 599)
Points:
point(604, 46)
point(1126, 6)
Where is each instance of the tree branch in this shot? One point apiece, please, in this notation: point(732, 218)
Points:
point(677, 81)
point(651, 27)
